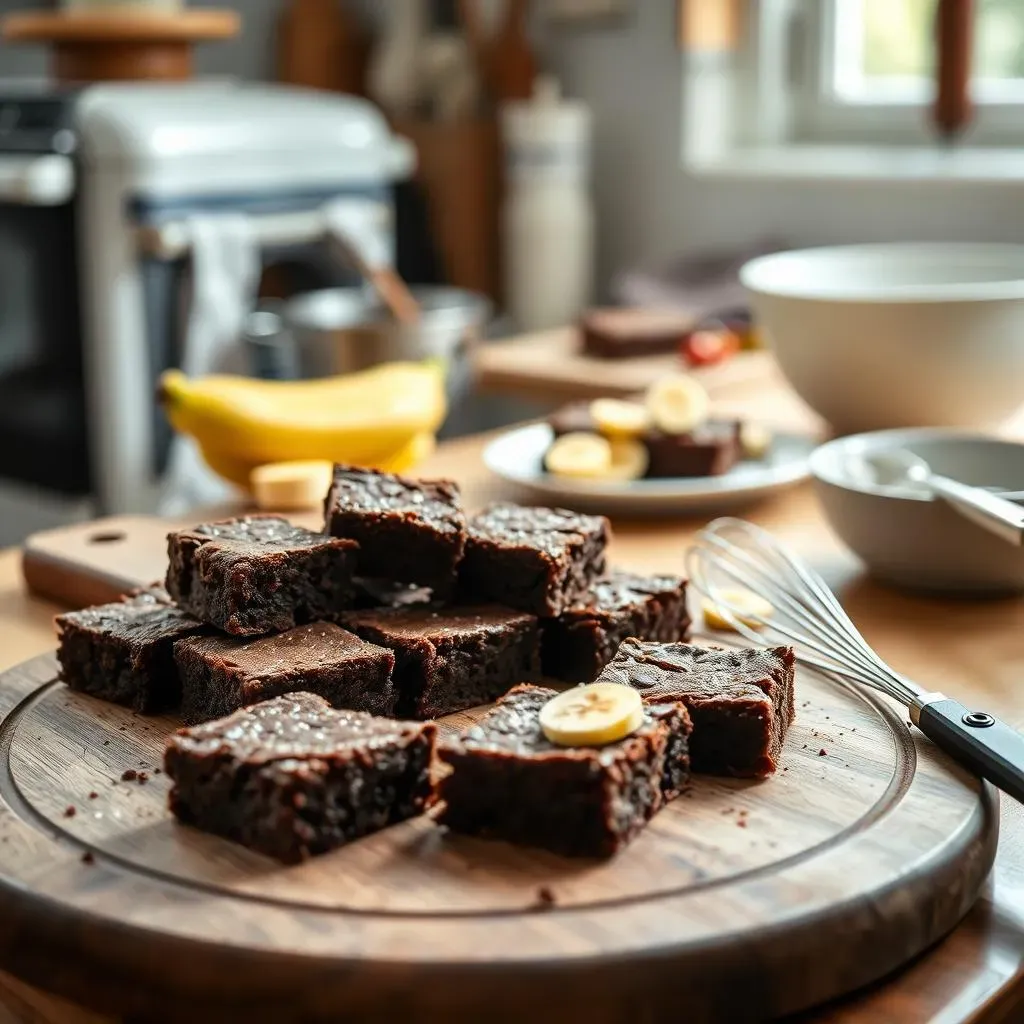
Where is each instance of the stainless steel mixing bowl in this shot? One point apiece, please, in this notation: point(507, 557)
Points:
point(339, 330)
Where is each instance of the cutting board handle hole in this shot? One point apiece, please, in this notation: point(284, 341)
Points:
point(108, 537)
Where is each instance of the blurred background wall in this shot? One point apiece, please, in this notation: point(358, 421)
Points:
point(649, 207)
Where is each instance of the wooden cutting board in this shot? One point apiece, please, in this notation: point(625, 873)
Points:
point(98, 561)
point(549, 365)
point(741, 901)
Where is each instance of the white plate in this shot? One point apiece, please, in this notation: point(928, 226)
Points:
point(518, 457)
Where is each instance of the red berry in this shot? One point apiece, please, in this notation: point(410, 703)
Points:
point(704, 348)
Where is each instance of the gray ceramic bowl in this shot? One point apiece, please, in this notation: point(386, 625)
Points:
point(915, 541)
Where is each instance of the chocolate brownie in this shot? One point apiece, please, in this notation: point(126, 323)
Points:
point(574, 418)
point(123, 652)
point(538, 560)
point(584, 638)
point(710, 450)
point(292, 777)
point(741, 701)
point(220, 674)
point(259, 574)
point(510, 782)
point(452, 658)
point(412, 531)
point(624, 333)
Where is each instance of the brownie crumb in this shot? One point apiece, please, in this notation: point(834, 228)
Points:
point(88, 858)
point(546, 898)
point(910, 724)
point(69, 811)
point(823, 752)
point(130, 775)
point(785, 767)
point(106, 743)
point(743, 814)
point(804, 747)
point(741, 822)
point(156, 771)
point(93, 795)
point(143, 778)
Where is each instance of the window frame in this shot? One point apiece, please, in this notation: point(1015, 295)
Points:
point(822, 114)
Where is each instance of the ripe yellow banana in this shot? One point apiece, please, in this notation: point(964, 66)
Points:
point(366, 418)
point(412, 454)
point(238, 471)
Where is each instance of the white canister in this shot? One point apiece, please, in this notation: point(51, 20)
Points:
point(547, 220)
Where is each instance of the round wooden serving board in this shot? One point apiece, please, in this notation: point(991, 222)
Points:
point(740, 901)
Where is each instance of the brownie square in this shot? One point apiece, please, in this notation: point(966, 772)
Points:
point(220, 674)
point(508, 781)
point(452, 658)
point(710, 450)
point(412, 531)
point(292, 777)
point(574, 418)
point(259, 574)
point(740, 701)
point(584, 638)
point(537, 560)
point(123, 652)
point(615, 333)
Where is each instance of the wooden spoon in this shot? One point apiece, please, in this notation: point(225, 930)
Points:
point(384, 280)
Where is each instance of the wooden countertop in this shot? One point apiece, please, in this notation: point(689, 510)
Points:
point(971, 650)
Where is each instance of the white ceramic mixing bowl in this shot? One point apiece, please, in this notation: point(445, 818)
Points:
point(874, 336)
point(911, 539)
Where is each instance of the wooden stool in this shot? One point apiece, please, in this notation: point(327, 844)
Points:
point(115, 46)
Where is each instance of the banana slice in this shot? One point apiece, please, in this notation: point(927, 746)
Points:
point(286, 486)
point(615, 418)
point(748, 607)
point(677, 404)
point(592, 715)
point(755, 440)
point(629, 460)
point(587, 456)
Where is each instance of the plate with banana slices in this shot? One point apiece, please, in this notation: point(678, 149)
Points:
point(662, 454)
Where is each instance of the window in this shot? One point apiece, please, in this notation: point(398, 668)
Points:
point(883, 50)
point(868, 71)
point(844, 89)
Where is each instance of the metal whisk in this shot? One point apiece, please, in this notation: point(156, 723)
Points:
point(731, 553)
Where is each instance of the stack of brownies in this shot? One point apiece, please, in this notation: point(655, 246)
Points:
point(308, 666)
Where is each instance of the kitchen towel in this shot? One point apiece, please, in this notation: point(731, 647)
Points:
point(226, 269)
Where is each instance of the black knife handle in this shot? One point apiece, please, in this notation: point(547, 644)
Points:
point(979, 741)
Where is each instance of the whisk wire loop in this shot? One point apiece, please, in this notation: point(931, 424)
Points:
point(758, 579)
point(805, 612)
point(778, 631)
